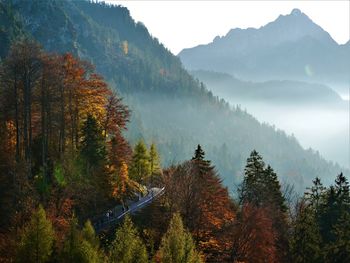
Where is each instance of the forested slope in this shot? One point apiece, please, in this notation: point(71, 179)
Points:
point(168, 106)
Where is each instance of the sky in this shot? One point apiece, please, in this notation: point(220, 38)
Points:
point(184, 24)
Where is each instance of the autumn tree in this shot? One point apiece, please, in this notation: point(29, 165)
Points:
point(177, 245)
point(122, 186)
point(127, 246)
point(254, 238)
point(261, 188)
point(195, 190)
point(37, 239)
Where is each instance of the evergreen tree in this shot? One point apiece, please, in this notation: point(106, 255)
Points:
point(251, 189)
point(127, 246)
point(306, 238)
point(140, 169)
point(154, 160)
point(339, 251)
point(198, 154)
point(80, 247)
point(315, 194)
point(92, 145)
point(37, 239)
point(177, 245)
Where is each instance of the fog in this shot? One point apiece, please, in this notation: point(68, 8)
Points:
point(323, 128)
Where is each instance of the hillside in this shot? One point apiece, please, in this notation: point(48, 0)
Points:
point(168, 105)
point(274, 91)
point(291, 47)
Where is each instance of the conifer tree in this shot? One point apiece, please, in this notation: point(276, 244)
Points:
point(306, 238)
point(177, 245)
point(198, 154)
point(37, 240)
point(92, 145)
point(339, 250)
point(154, 163)
point(80, 247)
point(127, 246)
point(140, 166)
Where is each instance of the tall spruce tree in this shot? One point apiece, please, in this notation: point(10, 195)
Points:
point(177, 245)
point(127, 246)
point(92, 148)
point(306, 239)
point(37, 240)
point(154, 160)
point(140, 169)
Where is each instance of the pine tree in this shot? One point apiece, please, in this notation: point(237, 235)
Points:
point(177, 245)
point(306, 238)
point(140, 166)
point(127, 246)
point(80, 247)
point(339, 251)
point(315, 194)
point(92, 145)
point(154, 163)
point(198, 154)
point(37, 240)
point(251, 189)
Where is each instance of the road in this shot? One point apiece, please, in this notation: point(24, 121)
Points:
point(112, 216)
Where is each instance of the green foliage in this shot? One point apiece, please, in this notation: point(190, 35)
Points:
point(127, 246)
point(177, 245)
point(260, 185)
point(306, 238)
point(59, 175)
point(92, 146)
point(78, 247)
point(140, 168)
point(37, 239)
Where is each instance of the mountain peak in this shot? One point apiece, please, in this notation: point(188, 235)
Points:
point(296, 12)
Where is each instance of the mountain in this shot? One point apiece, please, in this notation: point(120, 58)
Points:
point(168, 105)
point(273, 91)
point(291, 47)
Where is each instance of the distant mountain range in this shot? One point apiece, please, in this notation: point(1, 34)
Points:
point(291, 47)
point(168, 105)
point(273, 91)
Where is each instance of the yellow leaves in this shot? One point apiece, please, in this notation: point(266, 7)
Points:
point(120, 181)
point(125, 47)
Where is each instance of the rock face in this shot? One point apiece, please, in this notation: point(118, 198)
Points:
point(291, 47)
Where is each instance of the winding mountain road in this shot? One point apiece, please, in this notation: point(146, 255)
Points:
point(112, 216)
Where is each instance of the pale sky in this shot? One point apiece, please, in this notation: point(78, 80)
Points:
point(183, 24)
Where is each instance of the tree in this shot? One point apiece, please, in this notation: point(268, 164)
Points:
point(140, 167)
point(122, 186)
point(177, 245)
point(306, 239)
point(195, 190)
point(254, 238)
point(92, 145)
point(80, 246)
point(198, 154)
point(261, 188)
point(127, 246)
point(37, 239)
point(154, 162)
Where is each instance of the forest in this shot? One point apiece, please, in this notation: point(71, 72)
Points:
point(160, 92)
point(65, 160)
